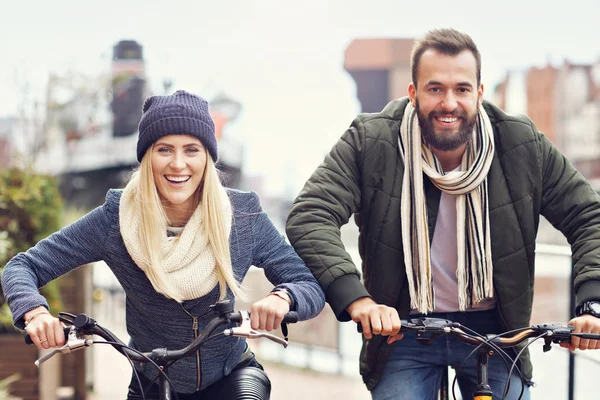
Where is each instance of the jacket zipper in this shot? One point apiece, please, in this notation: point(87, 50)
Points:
point(195, 329)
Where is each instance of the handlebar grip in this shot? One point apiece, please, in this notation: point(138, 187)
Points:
point(290, 318)
point(403, 325)
point(65, 329)
point(591, 336)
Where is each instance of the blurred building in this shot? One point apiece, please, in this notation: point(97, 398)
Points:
point(129, 88)
point(224, 111)
point(564, 103)
point(91, 128)
point(381, 70)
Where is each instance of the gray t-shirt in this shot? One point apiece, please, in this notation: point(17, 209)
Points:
point(444, 257)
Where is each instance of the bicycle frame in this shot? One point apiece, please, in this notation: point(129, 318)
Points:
point(488, 345)
point(164, 387)
point(483, 390)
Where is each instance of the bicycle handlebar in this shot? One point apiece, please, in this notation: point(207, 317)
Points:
point(552, 333)
point(83, 325)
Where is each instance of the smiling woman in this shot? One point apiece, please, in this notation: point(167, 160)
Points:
point(168, 238)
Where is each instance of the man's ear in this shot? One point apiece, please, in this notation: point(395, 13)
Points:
point(480, 94)
point(412, 94)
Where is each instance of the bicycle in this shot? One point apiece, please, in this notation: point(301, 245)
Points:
point(428, 329)
point(81, 326)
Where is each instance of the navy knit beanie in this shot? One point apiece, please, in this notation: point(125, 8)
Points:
point(181, 113)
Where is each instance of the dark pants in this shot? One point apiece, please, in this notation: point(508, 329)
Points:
point(248, 381)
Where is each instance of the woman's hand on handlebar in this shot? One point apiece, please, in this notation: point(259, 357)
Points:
point(267, 313)
point(376, 319)
point(45, 330)
point(584, 324)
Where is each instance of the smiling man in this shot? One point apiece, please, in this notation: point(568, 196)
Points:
point(447, 191)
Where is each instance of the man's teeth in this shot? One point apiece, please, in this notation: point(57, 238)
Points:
point(177, 178)
point(448, 120)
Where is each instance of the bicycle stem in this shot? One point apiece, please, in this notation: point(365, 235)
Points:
point(483, 388)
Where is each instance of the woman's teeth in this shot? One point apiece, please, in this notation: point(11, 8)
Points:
point(177, 179)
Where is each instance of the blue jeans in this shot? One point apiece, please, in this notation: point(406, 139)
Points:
point(414, 371)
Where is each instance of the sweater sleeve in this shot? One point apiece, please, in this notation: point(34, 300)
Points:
point(75, 245)
point(282, 266)
point(572, 206)
point(327, 201)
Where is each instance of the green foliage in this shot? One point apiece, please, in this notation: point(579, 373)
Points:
point(30, 209)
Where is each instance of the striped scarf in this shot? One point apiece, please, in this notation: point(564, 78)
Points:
point(469, 185)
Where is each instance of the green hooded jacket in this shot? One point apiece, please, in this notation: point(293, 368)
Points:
point(362, 176)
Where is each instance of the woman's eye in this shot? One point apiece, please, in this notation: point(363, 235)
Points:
point(164, 150)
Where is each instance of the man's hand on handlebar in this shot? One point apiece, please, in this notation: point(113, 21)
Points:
point(267, 313)
point(45, 331)
point(584, 324)
point(376, 319)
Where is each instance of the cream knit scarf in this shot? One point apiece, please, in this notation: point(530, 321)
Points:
point(469, 185)
point(188, 264)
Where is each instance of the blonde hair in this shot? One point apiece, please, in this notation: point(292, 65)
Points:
point(213, 199)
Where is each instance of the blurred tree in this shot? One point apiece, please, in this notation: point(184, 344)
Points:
point(30, 210)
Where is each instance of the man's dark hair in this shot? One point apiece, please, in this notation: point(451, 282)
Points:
point(445, 41)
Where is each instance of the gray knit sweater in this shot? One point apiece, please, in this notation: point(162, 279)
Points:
point(153, 321)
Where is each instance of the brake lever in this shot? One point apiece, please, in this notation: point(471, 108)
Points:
point(276, 339)
point(72, 344)
point(245, 330)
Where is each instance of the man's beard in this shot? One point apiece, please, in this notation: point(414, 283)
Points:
point(444, 140)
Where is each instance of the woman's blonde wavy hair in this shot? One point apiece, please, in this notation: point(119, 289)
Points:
point(212, 198)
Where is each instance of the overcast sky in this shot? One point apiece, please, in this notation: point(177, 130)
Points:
point(281, 59)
